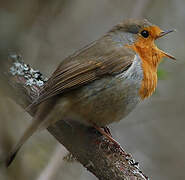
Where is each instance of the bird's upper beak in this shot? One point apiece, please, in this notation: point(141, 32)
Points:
point(163, 33)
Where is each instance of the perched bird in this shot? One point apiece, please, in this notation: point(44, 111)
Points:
point(103, 82)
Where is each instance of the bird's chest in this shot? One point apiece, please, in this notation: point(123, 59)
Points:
point(149, 81)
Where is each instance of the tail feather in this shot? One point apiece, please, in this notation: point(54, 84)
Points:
point(11, 157)
point(26, 135)
point(38, 121)
point(32, 105)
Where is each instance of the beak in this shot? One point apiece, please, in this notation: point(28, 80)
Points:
point(163, 33)
point(168, 55)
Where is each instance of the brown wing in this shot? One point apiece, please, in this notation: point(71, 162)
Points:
point(98, 59)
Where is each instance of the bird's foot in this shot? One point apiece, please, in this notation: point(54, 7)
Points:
point(107, 130)
point(107, 134)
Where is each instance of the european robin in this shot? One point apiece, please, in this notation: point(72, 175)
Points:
point(103, 82)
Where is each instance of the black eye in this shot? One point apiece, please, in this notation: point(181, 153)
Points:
point(145, 33)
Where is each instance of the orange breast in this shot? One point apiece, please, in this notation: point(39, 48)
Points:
point(150, 56)
point(149, 82)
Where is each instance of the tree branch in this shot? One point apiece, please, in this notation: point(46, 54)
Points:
point(92, 150)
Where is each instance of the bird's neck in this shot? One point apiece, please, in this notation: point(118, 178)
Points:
point(150, 56)
point(149, 53)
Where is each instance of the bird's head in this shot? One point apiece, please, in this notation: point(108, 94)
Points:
point(140, 35)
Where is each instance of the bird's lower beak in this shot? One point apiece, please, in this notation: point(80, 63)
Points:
point(163, 33)
point(168, 55)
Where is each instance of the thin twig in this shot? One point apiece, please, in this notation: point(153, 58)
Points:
point(54, 164)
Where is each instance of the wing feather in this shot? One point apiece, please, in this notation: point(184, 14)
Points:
point(89, 64)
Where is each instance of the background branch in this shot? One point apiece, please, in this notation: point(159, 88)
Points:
point(91, 149)
point(54, 164)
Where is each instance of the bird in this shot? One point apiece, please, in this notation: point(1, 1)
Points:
point(102, 82)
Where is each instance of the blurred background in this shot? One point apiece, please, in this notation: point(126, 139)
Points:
point(45, 32)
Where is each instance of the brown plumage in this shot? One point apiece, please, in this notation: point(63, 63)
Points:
point(87, 65)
